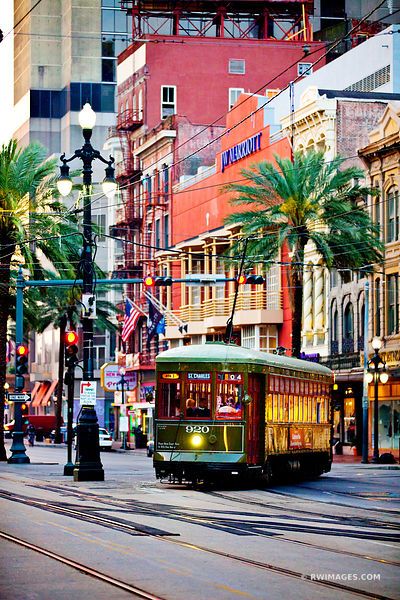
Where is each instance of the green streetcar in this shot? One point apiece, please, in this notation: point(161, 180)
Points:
point(226, 410)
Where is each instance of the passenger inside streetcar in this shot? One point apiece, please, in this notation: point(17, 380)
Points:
point(202, 410)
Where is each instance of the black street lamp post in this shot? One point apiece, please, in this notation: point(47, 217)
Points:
point(88, 466)
point(376, 373)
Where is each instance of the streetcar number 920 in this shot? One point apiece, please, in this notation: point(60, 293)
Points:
point(197, 429)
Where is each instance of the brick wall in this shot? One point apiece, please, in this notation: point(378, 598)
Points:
point(355, 120)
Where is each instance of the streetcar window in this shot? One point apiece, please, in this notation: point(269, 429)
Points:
point(229, 396)
point(318, 412)
point(198, 399)
point(169, 400)
point(268, 412)
point(275, 407)
point(295, 408)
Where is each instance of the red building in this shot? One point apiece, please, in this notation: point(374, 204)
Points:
point(186, 67)
point(200, 240)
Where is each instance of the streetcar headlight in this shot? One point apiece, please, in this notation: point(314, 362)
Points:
point(196, 440)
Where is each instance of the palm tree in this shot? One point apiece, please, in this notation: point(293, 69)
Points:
point(308, 200)
point(34, 226)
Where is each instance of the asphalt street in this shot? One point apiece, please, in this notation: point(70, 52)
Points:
point(131, 535)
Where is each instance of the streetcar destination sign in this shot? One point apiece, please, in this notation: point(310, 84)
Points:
point(22, 397)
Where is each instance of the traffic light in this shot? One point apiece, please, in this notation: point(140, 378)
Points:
point(21, 360)
point(25, 413)
point(248, 279)
point(71, 347)
point(151, 281)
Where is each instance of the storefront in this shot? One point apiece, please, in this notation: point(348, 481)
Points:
point(388, 414)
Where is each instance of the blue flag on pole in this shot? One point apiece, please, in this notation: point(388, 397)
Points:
point(154, 322)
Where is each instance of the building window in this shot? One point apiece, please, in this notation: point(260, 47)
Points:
point(378, 307)
point(158, 239)
point(165, 175)
point(304, 69)
point(268, 338)
point(166, 231)
point(392, 215)
point(100, 223)
point(334, 278)
point(234, 94)
point(348, 329)
point(334, 329)
point(249, 337)
point(168, 100)
point(393, 304)
point(237, 66)
point(197, 269)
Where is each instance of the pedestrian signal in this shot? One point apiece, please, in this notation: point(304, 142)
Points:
point(21, 359)
point(248, 279)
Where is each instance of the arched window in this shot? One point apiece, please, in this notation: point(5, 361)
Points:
point(377, 307)
point(334, 328)
point(393, 213)
point(361, 327)
point(348, 328)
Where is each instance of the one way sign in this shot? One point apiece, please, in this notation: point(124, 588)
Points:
point(88, 391)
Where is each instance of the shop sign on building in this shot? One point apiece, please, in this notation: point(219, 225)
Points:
point(110, 378)
point(241, 150)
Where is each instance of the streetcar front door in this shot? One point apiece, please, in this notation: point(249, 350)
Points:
point(255, 436)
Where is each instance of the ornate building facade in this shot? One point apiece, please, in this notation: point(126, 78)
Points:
point(382, 160)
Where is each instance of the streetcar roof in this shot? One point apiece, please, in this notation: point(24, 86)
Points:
point(221, 352)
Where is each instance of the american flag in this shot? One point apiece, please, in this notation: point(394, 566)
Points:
point(131, 318)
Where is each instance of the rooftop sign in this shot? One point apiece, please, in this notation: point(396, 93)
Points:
point(245, 148)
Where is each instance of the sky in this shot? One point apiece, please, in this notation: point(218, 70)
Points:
point(6, 67)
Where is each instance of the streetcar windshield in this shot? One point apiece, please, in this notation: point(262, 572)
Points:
point(229, 396)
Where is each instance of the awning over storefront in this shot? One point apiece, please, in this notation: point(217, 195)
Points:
point(49, 392)
point(42, 391)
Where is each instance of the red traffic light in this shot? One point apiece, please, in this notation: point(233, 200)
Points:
point(21, 350)
point(250, 279)
point(71, 337)
point(149, 281)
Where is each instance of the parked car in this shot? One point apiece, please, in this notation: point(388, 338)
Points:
point(150, 448)
point(105, 439)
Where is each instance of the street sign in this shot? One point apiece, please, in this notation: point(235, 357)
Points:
point(87, 393)
point(123, 424)
point(22, 397)
point(205, 279)
point(110, 378)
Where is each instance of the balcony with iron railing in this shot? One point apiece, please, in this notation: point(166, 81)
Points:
point(342, 362)
point(215, 312)
point(129, 168)
point(129, 119)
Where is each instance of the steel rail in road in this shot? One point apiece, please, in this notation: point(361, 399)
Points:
point(82, 568)
point(111, 523)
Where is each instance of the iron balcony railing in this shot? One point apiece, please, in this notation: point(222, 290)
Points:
point(222, 307)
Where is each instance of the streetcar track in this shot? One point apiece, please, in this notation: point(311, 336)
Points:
point(108, 523)
point(82, 568)
point(343, 519)
point(206, 521)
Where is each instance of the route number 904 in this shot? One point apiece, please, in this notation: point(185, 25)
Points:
point(197, 429)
